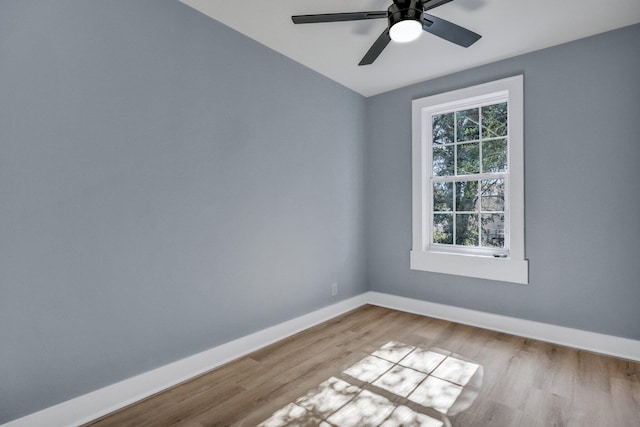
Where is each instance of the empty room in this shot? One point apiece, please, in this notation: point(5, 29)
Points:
point(319, 213)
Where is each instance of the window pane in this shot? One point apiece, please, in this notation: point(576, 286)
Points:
point(468, 158)
point(467, 229)
point(443, 228)
point(443, 161)
point(467, 122)
point(492, 195)
point(443, 196)
point(494, 120)
point(467, 196)
point(443, 128)
point(494, 155)
point(493, 230)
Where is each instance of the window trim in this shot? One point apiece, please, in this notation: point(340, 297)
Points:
point(514, 267)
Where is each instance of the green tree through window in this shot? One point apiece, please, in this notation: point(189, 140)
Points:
point(469, 161)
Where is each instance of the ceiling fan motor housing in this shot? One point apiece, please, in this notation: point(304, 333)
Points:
point(404, 10)
point(405, 20)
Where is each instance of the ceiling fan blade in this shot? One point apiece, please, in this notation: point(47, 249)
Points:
point(449, 31)
point(337, 17)
point(376, 49)
point(434, 3)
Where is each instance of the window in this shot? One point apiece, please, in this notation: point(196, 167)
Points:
point(468, 182)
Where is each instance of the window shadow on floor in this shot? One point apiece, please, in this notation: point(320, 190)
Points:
point(396, 385)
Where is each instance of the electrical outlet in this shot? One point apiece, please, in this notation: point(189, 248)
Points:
point(334, 289)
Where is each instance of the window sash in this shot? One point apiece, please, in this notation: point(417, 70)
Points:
point(428, 146)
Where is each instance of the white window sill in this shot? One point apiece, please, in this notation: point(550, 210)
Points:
point(483, 267)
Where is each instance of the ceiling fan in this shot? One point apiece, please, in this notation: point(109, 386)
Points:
point(406, 19)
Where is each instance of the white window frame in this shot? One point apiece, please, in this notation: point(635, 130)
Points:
point(508, 264)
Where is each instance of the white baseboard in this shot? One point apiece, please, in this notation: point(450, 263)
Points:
point(591, 341)
point(93, 405)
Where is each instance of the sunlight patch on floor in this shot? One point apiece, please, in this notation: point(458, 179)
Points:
point(396, 385)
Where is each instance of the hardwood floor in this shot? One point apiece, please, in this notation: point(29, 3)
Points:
point(418, 371)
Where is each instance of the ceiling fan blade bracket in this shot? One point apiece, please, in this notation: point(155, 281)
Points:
point(449, 31)
point(338, 17)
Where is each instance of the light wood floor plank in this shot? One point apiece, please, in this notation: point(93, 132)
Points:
point(524, 382)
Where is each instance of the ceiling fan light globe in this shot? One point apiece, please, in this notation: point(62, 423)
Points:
point(405, 31)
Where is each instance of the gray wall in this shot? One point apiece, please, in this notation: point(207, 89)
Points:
point(582, 189)
point(166, 185)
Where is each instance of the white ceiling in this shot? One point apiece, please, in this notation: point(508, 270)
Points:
point(508, 28)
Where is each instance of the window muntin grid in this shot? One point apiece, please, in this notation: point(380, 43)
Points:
point(469, 178)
